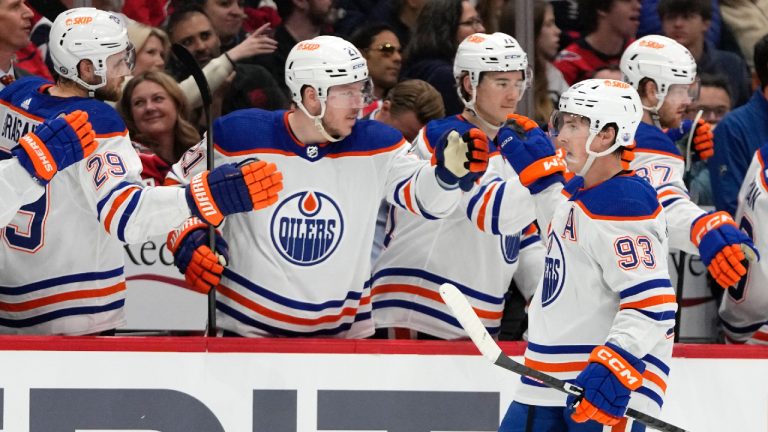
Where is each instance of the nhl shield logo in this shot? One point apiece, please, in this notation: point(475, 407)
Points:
point(312, 151)
point(307, 227)
point(554, 271)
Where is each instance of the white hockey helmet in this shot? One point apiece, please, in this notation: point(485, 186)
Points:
point(602, 102)
point(323, 62)
point(87, 34)
point(481, 52)
point(661, 59)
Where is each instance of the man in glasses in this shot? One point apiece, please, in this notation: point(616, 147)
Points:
point(491, 73)
point(664, 74)
point(62, 252)
point(383, 53)
point(303, 268)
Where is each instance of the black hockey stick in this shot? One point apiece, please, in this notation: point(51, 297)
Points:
point(188, 61)
point(490, 349)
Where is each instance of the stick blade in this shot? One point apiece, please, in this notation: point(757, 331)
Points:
point(468, 319)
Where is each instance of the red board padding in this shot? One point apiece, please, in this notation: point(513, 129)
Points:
point(316, 346)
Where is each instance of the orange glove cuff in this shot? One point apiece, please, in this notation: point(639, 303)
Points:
point(709, 222)
point(625, 372)
point(542, 168)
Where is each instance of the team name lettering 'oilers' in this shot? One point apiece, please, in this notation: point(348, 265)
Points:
point(554, 271)
point(301, 267)
point(744, 308)
point(307, 227)
point(420, 255)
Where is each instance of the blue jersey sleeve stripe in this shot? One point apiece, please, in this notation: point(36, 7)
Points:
point(496, 208)
point(656, 362)
point(431, 277)
point(658, 316)
point(105, 200)
point(249, 321)
point(473, 201)
point(668, 202)
point(652, 395)
point(61, 280)
point(645, 286)
point(134, 201)
point(397, 192)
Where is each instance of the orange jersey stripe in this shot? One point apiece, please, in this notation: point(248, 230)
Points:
point(116, 205)
point(113, 134)
point(659, 381)
point(556, 367)
point(62, 297)
point(427, 293)
point(659, 152)
point(486, 199)
point(407, 195)
point(650, 301)
point(279, 316)
point(618, 218)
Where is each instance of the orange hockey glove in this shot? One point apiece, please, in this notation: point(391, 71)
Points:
point(723, 247)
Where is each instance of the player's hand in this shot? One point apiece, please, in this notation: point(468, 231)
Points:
point(202, 268)
point(461, 159)
point(703, 138)
point(723, 247)
point(609, 378)
point(530, 152)
point(231, 188)
point(56, 144)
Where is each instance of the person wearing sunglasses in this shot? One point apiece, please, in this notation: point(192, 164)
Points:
point(382, 51)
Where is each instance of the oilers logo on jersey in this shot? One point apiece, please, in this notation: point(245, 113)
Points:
point(307, 227)
point(510, 247)
point(554, 270)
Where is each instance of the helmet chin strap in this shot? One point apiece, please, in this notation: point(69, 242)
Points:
point(592, 156)
point(470, 106)
point(654, 111)
point(318, 121)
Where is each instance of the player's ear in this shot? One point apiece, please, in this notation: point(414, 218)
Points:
point(647, 91)
point(85, 70)
point(607, 137)
point(310, 100)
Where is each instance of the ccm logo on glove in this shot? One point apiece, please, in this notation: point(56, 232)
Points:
point(631, 377)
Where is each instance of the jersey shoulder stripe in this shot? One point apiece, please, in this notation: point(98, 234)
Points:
point(624, 197)
point(651, 139)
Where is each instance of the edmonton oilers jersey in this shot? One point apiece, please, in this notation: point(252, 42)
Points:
point(605, 280)
point(744, 309)
point(61, 256)
point(421, 254)
point(659, 161)
point(301, 267)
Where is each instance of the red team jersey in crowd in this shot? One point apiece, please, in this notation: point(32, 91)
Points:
point(605, 280)
point(301, 267)
point(61, 254)
point(744, 309)
point(579, 61)
point(421, 254)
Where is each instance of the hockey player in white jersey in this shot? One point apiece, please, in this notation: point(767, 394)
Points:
point(51, 147)
point(492, 73)
point(744, 308)
point(605, 296)
point(61, 254)
point(302, 268)
point(664, 74)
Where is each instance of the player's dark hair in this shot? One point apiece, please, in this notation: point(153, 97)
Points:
point(678, 8)
point(761, 61)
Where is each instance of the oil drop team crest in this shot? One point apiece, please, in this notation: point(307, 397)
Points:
point(307, 227)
